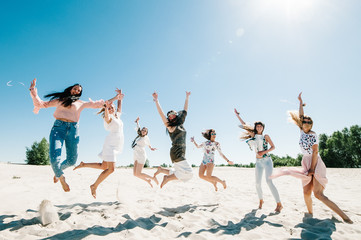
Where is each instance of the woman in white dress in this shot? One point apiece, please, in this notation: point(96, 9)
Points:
point(113, 143)
point(139, 154)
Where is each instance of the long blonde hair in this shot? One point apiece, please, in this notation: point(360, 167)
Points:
point(297, 119)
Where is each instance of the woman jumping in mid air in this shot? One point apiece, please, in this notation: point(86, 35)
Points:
point(139, 154)
point(313, 172)
point(113, 143)
point(209, 147)
point(174, 124)
point(259, 143)
point(65, 129)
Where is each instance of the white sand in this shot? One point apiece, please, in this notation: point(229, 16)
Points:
point(127, 208)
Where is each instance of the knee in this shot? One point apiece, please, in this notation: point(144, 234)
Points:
point(110, 170)
point(319, 195)
point(202, 176)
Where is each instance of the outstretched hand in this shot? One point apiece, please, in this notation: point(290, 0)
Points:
point(230, 163)
point(192, 139)
point(155, 96)
point(137, 120)
point(236, 112)
point(188, 94)
point(300, 99)
point(120, 95)
point(33, 83)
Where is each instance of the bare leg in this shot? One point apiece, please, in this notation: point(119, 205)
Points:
point(102, 165)
point(56, 179)
point(318, 192)
point(210, 167)
point(161, 170)
point(260, 203)
point(168, 178)
point(202, 169)
point(138, 167)
point(307, 191)
point(64, 184)
point(109, 170)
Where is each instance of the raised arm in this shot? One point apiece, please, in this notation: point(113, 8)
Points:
point(120, 97)
point(186, 102)
point(194, 141)
point(137, 122)
point(300, 111)
point(239, 118)
point(160, 111)
point(38, 103)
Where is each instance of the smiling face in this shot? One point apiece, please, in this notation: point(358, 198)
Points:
point(171, 115)
point(144, 131)
point(307, 124)
point(111, 109)
point(259, 128)
point(76, 90)
point(213, 136)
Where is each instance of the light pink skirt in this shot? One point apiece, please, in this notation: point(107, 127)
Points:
point(320, 171)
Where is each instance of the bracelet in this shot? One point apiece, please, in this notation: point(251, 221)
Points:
point(31, 89)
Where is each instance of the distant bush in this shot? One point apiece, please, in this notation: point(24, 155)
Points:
point(38, 153)
point(164, 165)
point(146, 164)
point(286, 161)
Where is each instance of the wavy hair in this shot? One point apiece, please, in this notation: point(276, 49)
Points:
point(297, 119)
point(207, 133)
point(250, 130)
point(65, 96)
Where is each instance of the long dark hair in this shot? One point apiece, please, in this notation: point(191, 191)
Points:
point(65, 97)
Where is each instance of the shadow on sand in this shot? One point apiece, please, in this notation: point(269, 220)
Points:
point(313, 228)
point(249, 222)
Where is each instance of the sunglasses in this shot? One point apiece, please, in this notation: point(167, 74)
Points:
point(213, 134)
point(307, 122)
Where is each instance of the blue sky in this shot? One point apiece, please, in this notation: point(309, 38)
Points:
point(253, 55)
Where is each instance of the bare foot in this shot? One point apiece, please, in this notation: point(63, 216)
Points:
point(260, 204)
point(79, 166)
point(279, 207)
point(224, 184)
point(55, 179)
point(157, 172)
point(93, 190)
point(165, 180)
point(155, 180)
point(348, 220)
point(149, 181)
point(215, 186)
point(64, 184)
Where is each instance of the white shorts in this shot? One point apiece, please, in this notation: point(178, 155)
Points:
point(139, 155)
point(182, 171)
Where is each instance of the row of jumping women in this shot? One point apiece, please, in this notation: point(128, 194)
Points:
point(65, 130)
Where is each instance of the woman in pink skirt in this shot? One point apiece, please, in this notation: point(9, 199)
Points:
point(313, 172)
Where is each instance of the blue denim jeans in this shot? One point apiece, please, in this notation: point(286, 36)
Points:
point(265, 164)
point(68, 132)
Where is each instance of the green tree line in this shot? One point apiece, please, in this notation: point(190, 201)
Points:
point(342, 149)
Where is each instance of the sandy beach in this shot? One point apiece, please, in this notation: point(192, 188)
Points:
point(128, 208)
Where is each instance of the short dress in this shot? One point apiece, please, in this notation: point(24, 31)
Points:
point(209, 148)
point(307, 140)
point(139, 153)
point(114, 142)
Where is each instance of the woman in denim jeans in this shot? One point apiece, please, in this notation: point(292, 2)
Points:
point(67, 113)
point(259, 143)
